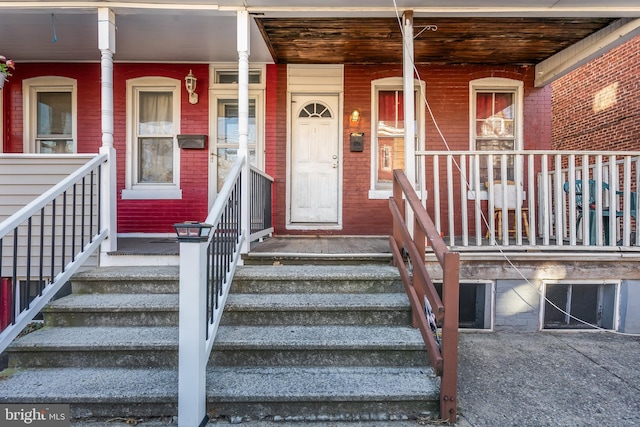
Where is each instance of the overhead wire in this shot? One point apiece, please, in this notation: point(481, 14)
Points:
point(477, 202)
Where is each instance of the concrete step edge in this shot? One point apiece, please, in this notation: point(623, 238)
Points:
point(62, 385)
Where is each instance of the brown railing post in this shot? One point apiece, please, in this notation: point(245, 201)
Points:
point(397, 197)
point(441, 347)
point(418, 281)
point(450, 298)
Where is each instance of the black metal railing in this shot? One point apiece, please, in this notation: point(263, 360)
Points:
point(261, 204)
point(45, 242)
point(222, 249)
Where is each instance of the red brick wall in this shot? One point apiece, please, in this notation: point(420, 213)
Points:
point(597, 106)
point(158, 216)
point(88, 86)
point(447, 91)
point(139, 216)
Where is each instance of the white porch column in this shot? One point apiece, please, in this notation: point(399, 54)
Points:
point(107, 46)
point(243, 22)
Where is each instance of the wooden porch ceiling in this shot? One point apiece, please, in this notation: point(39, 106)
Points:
point(493, 41)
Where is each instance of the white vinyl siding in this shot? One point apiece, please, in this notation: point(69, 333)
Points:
point(23, 178)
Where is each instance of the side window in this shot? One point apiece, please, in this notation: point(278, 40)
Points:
point(496, 111)
point(50, 115)
point(153, 162)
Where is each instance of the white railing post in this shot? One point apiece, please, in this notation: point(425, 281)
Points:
point(192, 356)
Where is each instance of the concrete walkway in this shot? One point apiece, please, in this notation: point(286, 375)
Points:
point(549, 379)
point(527, 380)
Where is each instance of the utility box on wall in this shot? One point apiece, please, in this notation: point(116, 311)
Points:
point(192, 141)
point(357, 141)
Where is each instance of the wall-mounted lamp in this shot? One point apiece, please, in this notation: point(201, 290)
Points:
point(190, 84)
point(355, 116)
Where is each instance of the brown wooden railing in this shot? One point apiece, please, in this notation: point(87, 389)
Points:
point(437, 318)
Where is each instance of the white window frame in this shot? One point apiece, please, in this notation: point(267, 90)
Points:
point(219, 91)
point(30, 89)
point(134, 189)
point(616, 303)
point(495, 84)
point(232, 67)
point(393, 83)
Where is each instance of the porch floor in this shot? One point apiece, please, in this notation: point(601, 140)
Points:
point(330, 245)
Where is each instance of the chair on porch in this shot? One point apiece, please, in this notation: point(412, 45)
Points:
point(590, 205)
point(497, 196)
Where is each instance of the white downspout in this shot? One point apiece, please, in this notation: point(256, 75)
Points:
point(243, 22)
point(107, 46)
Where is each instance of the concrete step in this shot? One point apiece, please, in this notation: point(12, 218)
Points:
point(157, 346)
point(298, 393)
point(123, 280)
point(317, 309)
point(305, 343)
point(97, 346)
point(318, 346)
point(366, 278)
point(113, 310)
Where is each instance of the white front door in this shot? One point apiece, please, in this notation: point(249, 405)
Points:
point(315, 159)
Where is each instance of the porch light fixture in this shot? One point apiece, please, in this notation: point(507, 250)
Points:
point(355, 116)
point(190, 85)
point(193, 231)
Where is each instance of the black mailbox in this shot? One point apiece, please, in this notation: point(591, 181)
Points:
point(357, 141)
point(192, 141)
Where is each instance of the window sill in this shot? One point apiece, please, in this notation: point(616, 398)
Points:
point(380, 194)
point(175, 194)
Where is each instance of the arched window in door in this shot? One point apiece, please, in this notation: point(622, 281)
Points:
point(315, 109)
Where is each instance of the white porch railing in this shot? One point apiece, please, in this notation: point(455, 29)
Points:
point(46, 241)
point(207, 267)
point(547, 203)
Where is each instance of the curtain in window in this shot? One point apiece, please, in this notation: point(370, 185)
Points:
point(156, 113)
point(155, 137)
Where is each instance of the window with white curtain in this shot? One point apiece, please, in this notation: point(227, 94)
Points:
point(152, 153)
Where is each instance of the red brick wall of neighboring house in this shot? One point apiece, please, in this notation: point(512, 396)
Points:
point(447, 91)
point(597, 106)
point(88, 91)
point(134, 216)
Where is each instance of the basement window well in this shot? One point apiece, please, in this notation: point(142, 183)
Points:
point(578, 305)
point(475, 304)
